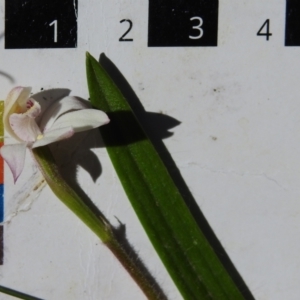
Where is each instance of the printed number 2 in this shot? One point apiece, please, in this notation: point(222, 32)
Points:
point(54, 23)
point(121, 39)
point(267, 33)
point(198, 27)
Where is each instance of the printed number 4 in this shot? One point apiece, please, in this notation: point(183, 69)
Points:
point(266, 27)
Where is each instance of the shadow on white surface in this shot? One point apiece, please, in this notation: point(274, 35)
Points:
point(77, 151)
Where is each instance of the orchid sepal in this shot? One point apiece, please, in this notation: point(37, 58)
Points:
point(14, 156)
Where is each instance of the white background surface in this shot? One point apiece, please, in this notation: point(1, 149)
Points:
point(237, 148)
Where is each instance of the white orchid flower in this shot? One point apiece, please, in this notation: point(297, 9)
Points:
point(35, 123)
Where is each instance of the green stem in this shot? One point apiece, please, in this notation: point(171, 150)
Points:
point(16, 294)
point(95, 221)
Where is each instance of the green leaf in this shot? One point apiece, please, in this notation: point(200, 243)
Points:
point(182, 247)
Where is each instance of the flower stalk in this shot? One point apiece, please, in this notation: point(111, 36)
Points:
point(17, 294)
point(96, 222)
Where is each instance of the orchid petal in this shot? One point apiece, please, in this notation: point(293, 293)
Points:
point(54, 136)
point(14, 102)
point(81, 120)
point(14, 156)
point(24, 127)
point(59, 108)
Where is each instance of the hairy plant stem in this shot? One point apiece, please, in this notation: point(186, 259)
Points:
point(17, 294)
point(95, 221)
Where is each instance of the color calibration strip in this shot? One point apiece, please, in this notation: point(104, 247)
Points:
point(1, 183)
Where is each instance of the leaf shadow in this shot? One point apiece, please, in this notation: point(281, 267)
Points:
point(156, 134)
point(77, 151)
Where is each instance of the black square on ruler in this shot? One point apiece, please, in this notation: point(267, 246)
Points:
point(292, 23)
point(183, 23)
point(40, 24)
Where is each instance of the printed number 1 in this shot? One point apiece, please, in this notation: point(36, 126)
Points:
point(267, 33)
point(54, 23)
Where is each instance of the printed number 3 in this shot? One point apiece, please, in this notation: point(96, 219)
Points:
point(198, 27)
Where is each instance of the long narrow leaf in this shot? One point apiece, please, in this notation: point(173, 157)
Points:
point(182, 247)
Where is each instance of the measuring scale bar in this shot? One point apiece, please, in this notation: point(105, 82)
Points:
point(53, 24)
